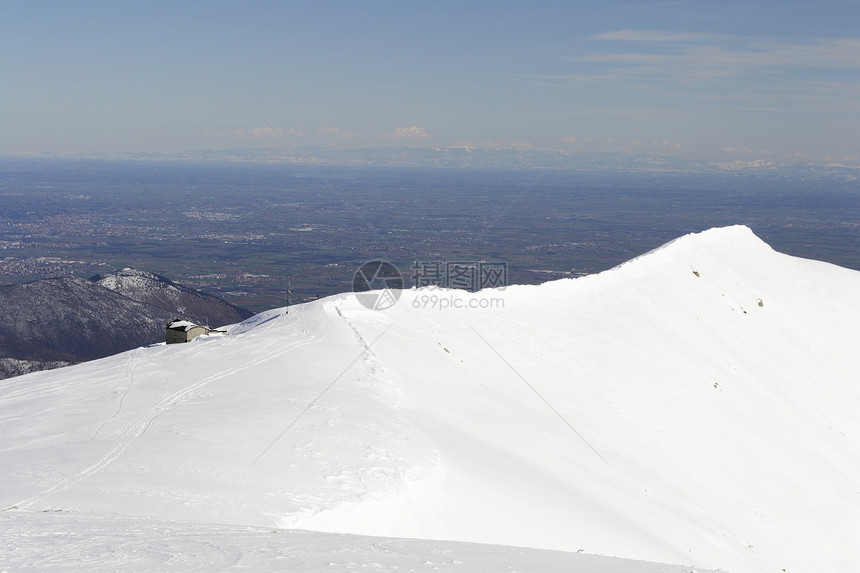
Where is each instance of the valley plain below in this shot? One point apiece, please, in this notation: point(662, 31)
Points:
point(264, 235)
point(691, 404)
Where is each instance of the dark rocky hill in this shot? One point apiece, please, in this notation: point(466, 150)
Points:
point(178, 300)
point(55, 322)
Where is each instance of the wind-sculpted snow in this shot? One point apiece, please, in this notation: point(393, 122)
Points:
point(696, 405)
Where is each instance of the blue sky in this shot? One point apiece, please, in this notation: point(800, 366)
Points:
point(745, 81)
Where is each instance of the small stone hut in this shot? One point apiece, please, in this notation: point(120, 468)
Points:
point(185, 331)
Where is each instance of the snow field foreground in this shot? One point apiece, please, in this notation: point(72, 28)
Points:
point(81, 542)
point(696, 405)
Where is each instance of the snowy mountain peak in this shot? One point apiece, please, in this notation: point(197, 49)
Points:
point(739, 238)
point(129, 280)
point(696, 405)
point(161, 292)
point(729, 243)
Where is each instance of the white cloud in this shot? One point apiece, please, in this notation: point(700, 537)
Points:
point(745, 150)
point(653, 36)
point(743, 74)
point(498, 144)
point(713, 60)
point(336, 133)
point(264, 133)
point(739, 165)
point(572, 140)
point(406, 133)
point(664, 144)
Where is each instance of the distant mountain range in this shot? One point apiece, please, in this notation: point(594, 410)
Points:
point(640, 160)
point(60, 321)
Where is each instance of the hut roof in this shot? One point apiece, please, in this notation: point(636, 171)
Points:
point(182, 325)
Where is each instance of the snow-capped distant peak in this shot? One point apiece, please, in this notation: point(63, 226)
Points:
point(130, 280)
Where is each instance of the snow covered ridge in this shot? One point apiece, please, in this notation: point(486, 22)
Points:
point(695, 406)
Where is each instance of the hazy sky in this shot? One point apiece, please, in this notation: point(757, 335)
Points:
point(695, 79)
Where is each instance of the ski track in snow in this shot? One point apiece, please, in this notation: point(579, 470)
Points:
point(136, 430)
point(131, 365)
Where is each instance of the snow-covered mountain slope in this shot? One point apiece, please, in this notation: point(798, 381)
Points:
point(50, 323)
point(696, 405)
point(84, 542)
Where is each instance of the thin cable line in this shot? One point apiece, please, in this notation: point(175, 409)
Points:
point(321, 394)
point(538, 394)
